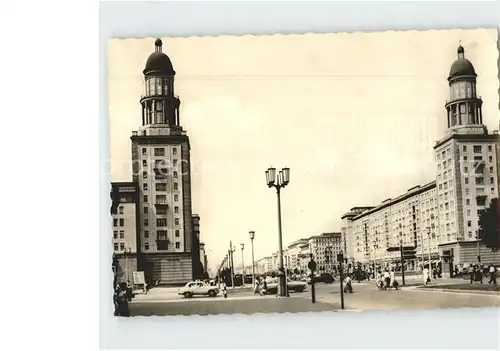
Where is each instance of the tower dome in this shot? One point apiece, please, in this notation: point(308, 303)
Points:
point(158, 62)
point(461, 67)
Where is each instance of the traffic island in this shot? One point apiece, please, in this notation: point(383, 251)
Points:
point(485, 287)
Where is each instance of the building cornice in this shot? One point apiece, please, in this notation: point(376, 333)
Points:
point(467, 138)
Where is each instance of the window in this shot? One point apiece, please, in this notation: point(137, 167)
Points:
point(467, 201)
point(464, 148)
point(466, 180)
point(161, 222)
point(144, 175)
point(175, 174)
point(120, 210)
point(161, 199)
point(145, 186)
point(477, 149)
point(492, 180)
point(468, 212)
point(122, 222)
point(479, 180)
point(177, 245)
point(115, 234)
point(146, 233)
point(467, 191)
point(122, 246)
point(146, 222)
point(481, 200)
point(177, 233)
point(176, 187)
point(115, 246)
point(161, 211)
point(465, 158)
point(144, 151)
point(145, 210)
point(176, 197)
point(176, 209)
point(161, 186)
point(115, 222)
point(491, 170)
point(177, 221)
point(144, 163)
point(145, 198)
point(122, 234)
point(161, 235)
point(174, 151)
point(175, 162)
point(159, 151)
point(158, 104)
point(146, 246)
point(490, 148)
point(490, 158)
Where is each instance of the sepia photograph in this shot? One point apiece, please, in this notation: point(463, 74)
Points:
point(304, 173)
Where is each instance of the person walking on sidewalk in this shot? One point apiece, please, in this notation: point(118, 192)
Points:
point(493, 275)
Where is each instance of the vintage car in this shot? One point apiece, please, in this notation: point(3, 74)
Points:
point(326, 278)
point(198, 288)
point(293, 285)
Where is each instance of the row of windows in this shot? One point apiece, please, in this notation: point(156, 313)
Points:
point(118, 222)
point(146, 221)
point(146, 246)
point(159, 151)
point(158, 199)
point(145, 185)
point(146, 209)
point(161, 233)
point(477, 149)
point(115, 234)
point(479, 180)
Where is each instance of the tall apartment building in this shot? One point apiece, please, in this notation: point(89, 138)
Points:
point(161, 167)
point(440, 218)
point(124, 213)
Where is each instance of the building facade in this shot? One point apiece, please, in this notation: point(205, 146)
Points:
point(161, 168)
point(440, 218)
point(124, 214)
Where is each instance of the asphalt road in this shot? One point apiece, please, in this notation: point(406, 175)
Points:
point(365, 297)
point(218, 305)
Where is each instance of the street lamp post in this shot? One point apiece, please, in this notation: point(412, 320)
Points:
point(231, 261)
point(242, 265)
point(279, 181)
point(252, 236)
point(126, 253)
point(478, 247)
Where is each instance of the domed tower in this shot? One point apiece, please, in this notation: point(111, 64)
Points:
point(464, 106)
point(159, 104)
point(161, 167)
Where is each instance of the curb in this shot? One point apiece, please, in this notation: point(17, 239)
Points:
point(476, 292)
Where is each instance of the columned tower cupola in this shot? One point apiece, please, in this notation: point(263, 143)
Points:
point(464, 106)
point(159, 104)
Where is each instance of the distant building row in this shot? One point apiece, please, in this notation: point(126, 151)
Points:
point(324, 248)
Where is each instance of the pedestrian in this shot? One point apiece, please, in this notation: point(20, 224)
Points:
point(493, 274)
point(394, 283)
point(387, 279)
point(224, 290)
point(471, 273)
point(121, 300)
point(427, 278)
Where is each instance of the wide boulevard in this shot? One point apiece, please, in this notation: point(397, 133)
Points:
point(165, 301)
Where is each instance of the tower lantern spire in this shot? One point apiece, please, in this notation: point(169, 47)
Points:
point(158, 45)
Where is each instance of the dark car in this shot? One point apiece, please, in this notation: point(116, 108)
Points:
point(326, 278)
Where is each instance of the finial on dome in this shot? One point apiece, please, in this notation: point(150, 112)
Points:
point(460, 50)
point(158, 44)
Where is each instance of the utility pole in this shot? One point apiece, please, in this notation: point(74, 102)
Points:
point(340, 258)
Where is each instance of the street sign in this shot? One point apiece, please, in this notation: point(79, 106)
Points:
point(312, 265)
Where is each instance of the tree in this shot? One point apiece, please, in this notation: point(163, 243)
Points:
point(489, 232)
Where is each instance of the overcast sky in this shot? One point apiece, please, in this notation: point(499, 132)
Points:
point(354, 116)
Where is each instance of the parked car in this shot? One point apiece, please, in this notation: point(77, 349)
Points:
point(326, 278)
point(198, 288)
point(293, 285)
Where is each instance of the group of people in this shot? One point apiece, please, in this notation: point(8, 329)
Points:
point(477, 272)
point(387, 280)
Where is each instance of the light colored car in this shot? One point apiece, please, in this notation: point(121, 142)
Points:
point(198, 288)
point(293, 285)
